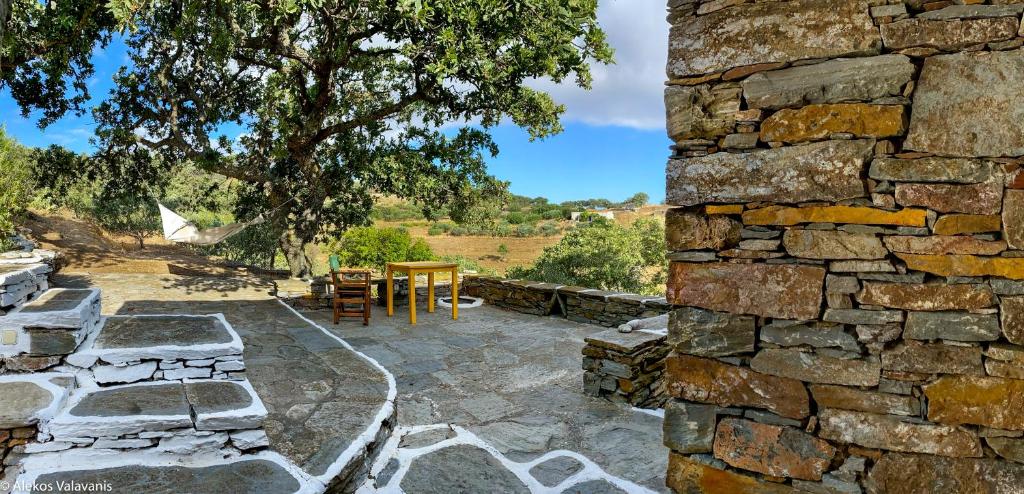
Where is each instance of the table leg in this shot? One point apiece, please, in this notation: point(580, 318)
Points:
point(391, 291)
point(412, 297)
point(455, 294)
point(430, 292)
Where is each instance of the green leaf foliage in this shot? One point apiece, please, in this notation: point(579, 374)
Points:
point(372, 247)
point(15, 182)
point(604, 255)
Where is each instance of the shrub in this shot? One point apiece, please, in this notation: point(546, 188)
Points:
point(374, 247)
point(549, 229)
point(128, 214)
point(552, 214)
point(515, 218)
point(525, 230)
point(604, 255)
point(15, 182)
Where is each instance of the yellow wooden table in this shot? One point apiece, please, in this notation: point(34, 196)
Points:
point(420, 267)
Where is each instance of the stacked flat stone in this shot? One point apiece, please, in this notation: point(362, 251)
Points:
point(20, 283)
point(847, 246)
point(580, 304)
point(625, 367)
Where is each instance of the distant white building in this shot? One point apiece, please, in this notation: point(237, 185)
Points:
point(575, 215)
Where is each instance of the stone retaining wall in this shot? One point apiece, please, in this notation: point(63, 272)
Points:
point(847, 246)
point(626, 367)
point(586, 305)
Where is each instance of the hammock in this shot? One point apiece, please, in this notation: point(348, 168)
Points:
point(178, 229)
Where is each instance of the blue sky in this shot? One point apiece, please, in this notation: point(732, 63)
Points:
point(614, 143)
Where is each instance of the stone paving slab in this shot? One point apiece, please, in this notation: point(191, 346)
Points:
point(145, 331)
point(122, 339)
point(119, 473)
point(57, 300)
point(27, 399)
point(120, 410)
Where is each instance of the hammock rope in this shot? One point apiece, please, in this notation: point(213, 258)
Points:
point(180, 230)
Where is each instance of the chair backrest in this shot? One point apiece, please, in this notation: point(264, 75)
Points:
point(335, 263)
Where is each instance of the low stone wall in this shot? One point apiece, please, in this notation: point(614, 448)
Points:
point(626, 367)
point(586, 305)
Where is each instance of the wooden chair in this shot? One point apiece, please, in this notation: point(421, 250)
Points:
point(351, 288)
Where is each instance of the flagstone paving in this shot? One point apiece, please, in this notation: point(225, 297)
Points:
point(511, 383)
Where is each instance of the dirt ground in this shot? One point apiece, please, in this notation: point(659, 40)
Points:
point(87, 249)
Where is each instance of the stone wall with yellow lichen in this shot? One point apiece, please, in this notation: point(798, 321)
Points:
point(847, 246)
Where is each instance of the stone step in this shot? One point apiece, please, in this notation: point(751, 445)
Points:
point(127, 340)
point(147, 410)
point(20, 282)
point(54, 324)
point(198, 474)
point(30, 399)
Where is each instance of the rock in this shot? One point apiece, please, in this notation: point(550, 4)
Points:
point(964, 265)
point(955, 12)
point(1006, 287)
point(188, 373)
point(861, 267)
point(688, 476)
point(933, 358)
point(710, 334)
point(711, 381)
point(772, 450)
point(945, 120)
point(890, 433)
point(691, 230)
point(700, 112)
point(22, 403)
point(250, 439)
point(845, 398)
point(989, 401)
point(982, 198)
point(783, 291)
point(689, 427)
point(862, 316)
point(1011, 370)
point(957, 326)
point(832, 244)
point(930, 169)
point(822, 171)
point(785, 216)
point(926, 296)
point(1010, 448)
point(813, 367)
point(842, 284)
point(912, 474)
point(949, 35)
point(106, 374)
point(940, 244)
point(817, 122)
point(756, 33)
point(785, 333)
point(832, 81)
point(740, 141)
point(1013, 218)
point(960, 224)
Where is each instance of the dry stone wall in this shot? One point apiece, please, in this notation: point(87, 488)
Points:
point(847, 246)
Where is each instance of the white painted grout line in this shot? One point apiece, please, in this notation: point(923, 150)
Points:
point(406, 456)
point(386, 411)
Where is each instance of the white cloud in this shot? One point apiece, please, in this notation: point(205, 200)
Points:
point(628, 93)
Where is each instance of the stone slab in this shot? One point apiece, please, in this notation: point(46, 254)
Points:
point(757, 33)
point(786, 216)
point(930, 169)
point(956, 326)
point(813, 367)
point(243, 477)
point(710, 334)
point(910, 474)
point(689, 476)
point(893, 434)
point(783, 291)
point(933, 358)
point(710, 381)
point(927, 296)
point(22, 401)
point(832, 244)
point(771, 449)
point(143, 331)
point(833, 81)
point(965, 265)
point(822, 171)
point(478, 471)
point(947, 35)
point(988, 401)
point(817, 122)
point(945, 119)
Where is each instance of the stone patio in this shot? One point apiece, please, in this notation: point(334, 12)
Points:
point(510, 385)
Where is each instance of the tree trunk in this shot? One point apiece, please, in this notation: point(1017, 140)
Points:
point(295, 251)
